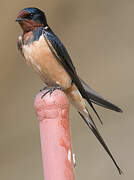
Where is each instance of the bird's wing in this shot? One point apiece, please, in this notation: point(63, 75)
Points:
point(99, 100)
point(61, 54)
point(63, 57)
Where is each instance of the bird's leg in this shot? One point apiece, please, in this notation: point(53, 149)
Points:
point(51, 89)
point(46, 87)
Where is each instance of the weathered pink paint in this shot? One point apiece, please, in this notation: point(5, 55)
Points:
point(53, 116)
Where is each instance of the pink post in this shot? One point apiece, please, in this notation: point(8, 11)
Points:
point(53, 116)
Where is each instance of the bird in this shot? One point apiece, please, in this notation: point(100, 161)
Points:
point(48, 57)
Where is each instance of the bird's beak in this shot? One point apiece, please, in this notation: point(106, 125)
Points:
point(19, 19)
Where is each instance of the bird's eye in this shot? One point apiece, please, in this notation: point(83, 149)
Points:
point(31, 15)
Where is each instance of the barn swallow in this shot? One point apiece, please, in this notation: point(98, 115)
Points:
point(46, 54)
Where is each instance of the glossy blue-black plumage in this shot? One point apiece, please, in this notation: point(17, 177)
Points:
point(35, 36)
point(60, 49)
point(37, 15)
point(63, 57)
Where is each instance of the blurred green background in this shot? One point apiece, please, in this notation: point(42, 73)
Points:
point(99, 36)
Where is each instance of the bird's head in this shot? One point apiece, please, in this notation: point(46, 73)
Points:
point(31, 18)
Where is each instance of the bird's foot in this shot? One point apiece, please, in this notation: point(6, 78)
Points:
point(51, 89)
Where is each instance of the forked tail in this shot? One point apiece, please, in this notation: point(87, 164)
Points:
point(89, 121)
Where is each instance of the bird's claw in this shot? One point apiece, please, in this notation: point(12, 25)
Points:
point(51, 89)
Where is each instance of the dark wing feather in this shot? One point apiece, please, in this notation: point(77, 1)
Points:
point(60, 50)
point(99, 100)
point(62, 55)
